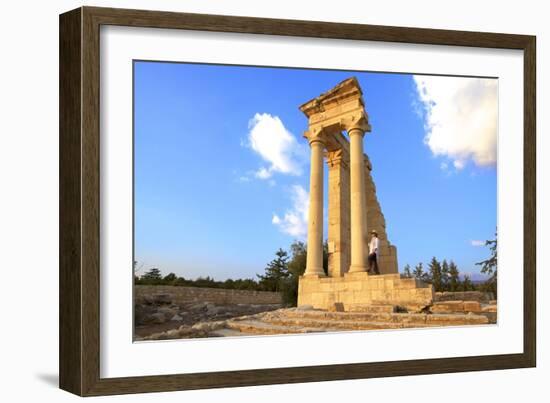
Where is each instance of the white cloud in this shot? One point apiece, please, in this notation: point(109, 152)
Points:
point(477, 243)
point(460, 118)
point(263, 173)
point(278, 147)
point(294, 221)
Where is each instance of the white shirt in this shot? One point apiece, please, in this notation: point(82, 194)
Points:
point(373, 245)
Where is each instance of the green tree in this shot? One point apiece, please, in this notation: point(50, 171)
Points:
point(454, 277)
point(296, 268)
point(418, 272)
point(169, 279)
point(298, 261)
point(180, 281)
point(445, 275)
point(205, 282)
point(298, 258)
point(275, 272)
point(489, 266)
point(246, 284)
point(434, 268)
point(467, 284)
point(152, 277)
point(407, 271)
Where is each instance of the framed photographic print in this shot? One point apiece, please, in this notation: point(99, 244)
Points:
point(249, 201)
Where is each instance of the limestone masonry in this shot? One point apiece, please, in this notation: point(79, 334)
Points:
point(353, 211)
point(180, 295)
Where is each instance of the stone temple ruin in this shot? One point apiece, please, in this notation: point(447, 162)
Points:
point(348, 298)
point(353, 211)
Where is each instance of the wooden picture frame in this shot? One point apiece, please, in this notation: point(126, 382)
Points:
point(80, 199)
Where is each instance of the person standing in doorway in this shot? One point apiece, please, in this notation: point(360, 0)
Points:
point(373, 253)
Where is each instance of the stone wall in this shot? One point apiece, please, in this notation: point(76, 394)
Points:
point(182, 295)
point(464, 296)
point(387, 253)
point(339, 230)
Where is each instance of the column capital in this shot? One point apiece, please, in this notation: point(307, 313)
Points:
point(356, 124)
point(337, 157)
point(321, 133)
point(314, 135)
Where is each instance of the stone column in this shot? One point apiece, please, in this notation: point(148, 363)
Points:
point(314, 263)
point(338, 212)
point(359, 251)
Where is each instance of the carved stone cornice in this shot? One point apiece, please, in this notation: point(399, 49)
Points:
point(348, 91)
point(340, 109)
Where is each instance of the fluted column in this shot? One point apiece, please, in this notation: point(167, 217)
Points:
point(359, 253)
point(314, 263)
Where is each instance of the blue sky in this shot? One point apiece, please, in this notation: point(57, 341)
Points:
point(222, 169)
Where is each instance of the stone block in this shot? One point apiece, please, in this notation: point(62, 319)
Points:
point(410, 318)
point(362, 288)
point(405, 295)
point(406, 283)
point(362, 275)
point(456, 319)
point(489, 308)
point(447, 307)
point(372, 308)
point(336, 307)
point(472, 306)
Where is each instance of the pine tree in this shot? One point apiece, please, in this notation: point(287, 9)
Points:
point(153, 276)
point(297, 263)
point(418, 272)
point(489, 266)
point(454, 277)
point(275, 272)
point(169, 278)
point(435, 273)
point(445, 276)
point(407, 271)
point(467, 284)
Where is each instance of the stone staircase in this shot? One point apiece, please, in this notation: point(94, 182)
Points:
point(296, 320)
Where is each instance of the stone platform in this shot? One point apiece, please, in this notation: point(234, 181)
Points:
point(355, 290)
point(299, 320)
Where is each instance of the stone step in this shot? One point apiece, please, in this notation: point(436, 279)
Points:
point(458, 319)
point(372, 308)
point(339, 325)
point(259, 327)
point(353, 316)
point(225, 332)
point(405, 318)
